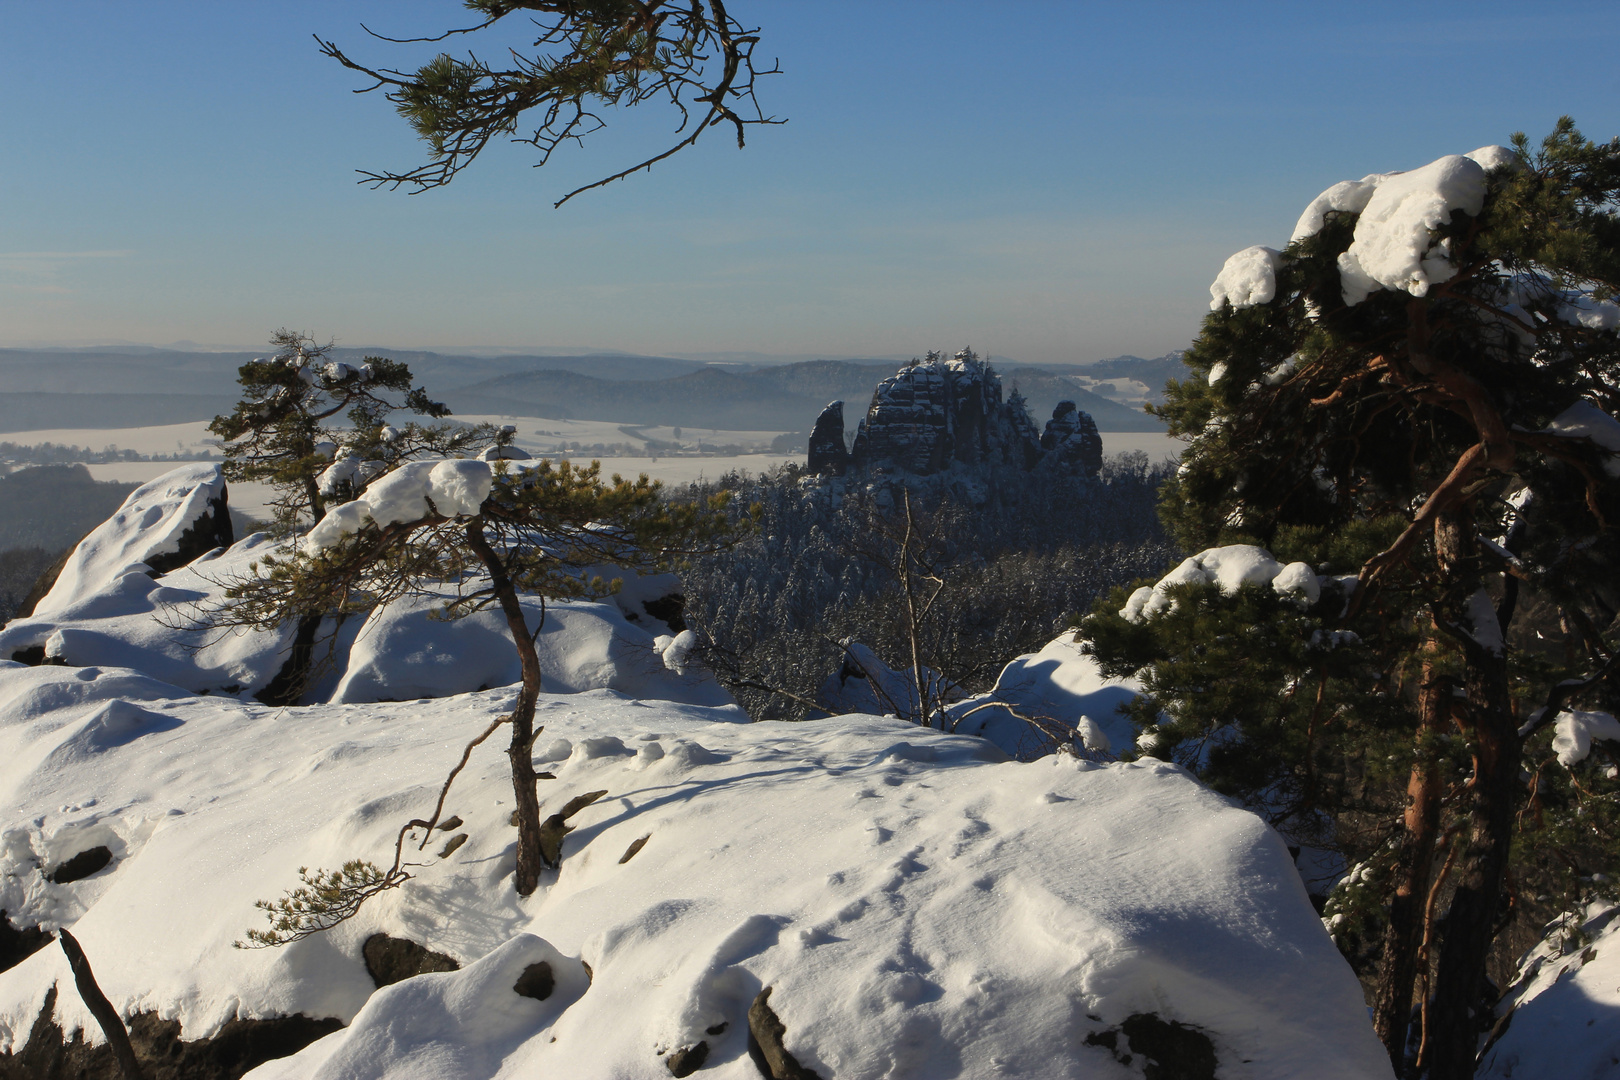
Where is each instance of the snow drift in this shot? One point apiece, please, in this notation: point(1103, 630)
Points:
point(919, 906)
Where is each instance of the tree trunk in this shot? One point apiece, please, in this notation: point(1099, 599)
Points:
point(1472, 921)
point(1403, 936)
point(530, 861)
point(1452, 1039)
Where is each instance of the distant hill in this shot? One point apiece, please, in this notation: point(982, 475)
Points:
point(785, 397)
point(38, 412)
point(52, 506)
point(96, 388)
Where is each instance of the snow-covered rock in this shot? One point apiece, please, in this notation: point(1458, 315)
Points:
point(1063, 690)
point(408, 649)
point(180, 514)
point(151, 625)
point(1584, 420)
point(863, 683)
point(1556, 1022)
point(404, 650)
point(918, 906)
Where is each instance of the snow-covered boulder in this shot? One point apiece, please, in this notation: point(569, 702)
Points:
point(110, 611)
point(408, 649)
point(863, 683)
point(1060, 689)
point(162, 525)
point(917, 905)
point(133, 620)
point(1556, 1022)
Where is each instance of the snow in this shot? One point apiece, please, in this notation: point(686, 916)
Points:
point(1393, 246)
point(1248, 278)
point(402, 650)
point(148, 524)
point(919, 906)
point(1060, 683)
point(451, 486)
point(1584, 420)
point(1347, 196)
point(1561, 1007)
point(1574, 732)
point(1229, 568)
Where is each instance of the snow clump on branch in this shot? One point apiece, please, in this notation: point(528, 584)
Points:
point(1393, 245)
point(1230, 568)
point(450, 486)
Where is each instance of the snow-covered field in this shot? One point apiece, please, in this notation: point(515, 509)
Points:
point(917, 904)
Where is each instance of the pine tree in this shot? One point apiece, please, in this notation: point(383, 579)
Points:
point(285, 430)
point(586, 55)
point(486, 533)
point(1414, 398)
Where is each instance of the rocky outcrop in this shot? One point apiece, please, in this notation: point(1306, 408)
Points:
point(936, 415)
point(1071, 441)
point(827, 453)
point(390, 959)
point(240, 1045)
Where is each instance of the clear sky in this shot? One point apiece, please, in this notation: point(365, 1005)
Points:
point(1045, 181)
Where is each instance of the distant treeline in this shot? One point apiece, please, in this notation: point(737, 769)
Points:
point(818, 566)
point(49, 453)
point(52, 506)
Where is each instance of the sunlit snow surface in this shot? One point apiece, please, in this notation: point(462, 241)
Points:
point(921, 908)
point(920, 905)
point(1563, 1006)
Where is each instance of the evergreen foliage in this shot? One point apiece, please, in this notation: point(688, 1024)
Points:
point(587, 55)
point(537, 530)
point(1442, 453)
point(284, 430)
point(776, 608)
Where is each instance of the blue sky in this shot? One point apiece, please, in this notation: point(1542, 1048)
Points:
point(1052, 182)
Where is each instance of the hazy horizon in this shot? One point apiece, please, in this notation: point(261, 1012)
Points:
point(1050, 182)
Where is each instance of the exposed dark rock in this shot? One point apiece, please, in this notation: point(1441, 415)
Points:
point(41, 586)
point(34, 656)
point(452, 844)
point(827, 453)
point(669, 610)
point(555, 827)
point(212, 530)
point(451, 822)
point(81, 865)
point(239, 1046)
point(1071, 441)
point(635, 846)
point(536, 982)
point(688, 1059)
point(293, 678)
point(390, 959)
point(765, 1032)
point(1170, 1050)
point(18, 945)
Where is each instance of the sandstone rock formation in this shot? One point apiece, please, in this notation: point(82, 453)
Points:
point(934, 415)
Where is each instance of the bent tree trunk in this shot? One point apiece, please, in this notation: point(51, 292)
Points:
point(521, 751)
point(1392, 1005)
